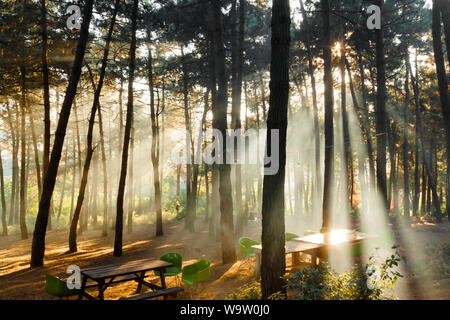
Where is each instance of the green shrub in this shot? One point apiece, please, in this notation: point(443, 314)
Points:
point(376, 281)
point(250, 291)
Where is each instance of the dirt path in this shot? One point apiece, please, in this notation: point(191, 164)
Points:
point(17, 281)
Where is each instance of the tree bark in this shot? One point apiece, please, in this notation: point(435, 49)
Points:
point(63, 186)
point(105, 174)
point(23, 191)
point(220, 123)
point(155, 143)
point(237, 62)
point(444, 7)
point(14, 166)
point(36, 152)
point(126, 141)
point(2, 193)
point(130, 191)
point(89, 147)
point(406, 202)
point(190, 193)
point(318, 185)
point(442, 78)
point(38, 245)
point(273, 263)
point(329, 135)
point(346, 146)
point(380, 113)
point(416, 148)
point(45, 75)
point(74, 170)
point(215, 198)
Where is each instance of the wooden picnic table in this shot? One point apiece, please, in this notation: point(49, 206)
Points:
point(314, 244)
point(136, 270)
point(336, 237)
point(292, 247)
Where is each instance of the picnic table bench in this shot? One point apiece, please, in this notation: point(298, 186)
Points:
point(136, 270)
point(155, 294)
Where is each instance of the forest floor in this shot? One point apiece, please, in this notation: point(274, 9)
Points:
point(17, 281)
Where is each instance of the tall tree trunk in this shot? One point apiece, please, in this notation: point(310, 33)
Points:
point(2, 193)
point(258, 126)
point(64, 185)
point(442, 77)
point(190, 193)
point(346, 146)
point(94, 187)
point(177, 192)
point(105, 174)
point(23, 189)
point(273, 263)
point(247, 175)
point(38, 245)
point(126, 141)
point(45, 74)
point(36, 152)
point(213, 227)
point(416, 142)
point(89, 147)
point(444, 7)
point(162, 135)
point(121, 108)
point(263, 95)
point(423, 210)
point(205, 167)
point(365, 130)
point(237, 62)
point(17, 199)
point(393, 183)
point(318, 185)
point(329, 135)
point(130, 190)
point(429, 171)
point(366, 120)
point(406, 203)
point(220, 123)
point(155, 143)
point(14, 165)
point(381, 118)
point(74, 170)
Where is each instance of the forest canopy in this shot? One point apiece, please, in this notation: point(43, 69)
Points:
point(123, 113)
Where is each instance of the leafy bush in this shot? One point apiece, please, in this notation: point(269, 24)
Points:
point(375, 282)
point(250, 291)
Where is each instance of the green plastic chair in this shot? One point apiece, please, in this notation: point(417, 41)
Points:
point(176, 259)
point(245, 246)
point(289, 236)
point(58, 288)
point(196, 272)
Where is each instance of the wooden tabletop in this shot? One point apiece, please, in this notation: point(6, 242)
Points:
point(336, 237)
point(125, 268)
point(294, 246)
